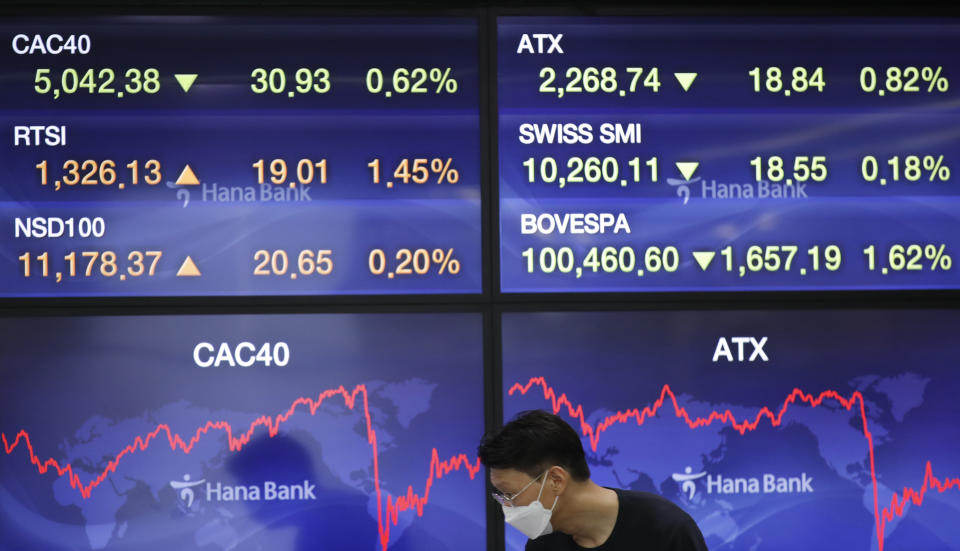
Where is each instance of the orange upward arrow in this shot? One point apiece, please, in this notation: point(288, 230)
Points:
point(188, 269)
point(187, 177)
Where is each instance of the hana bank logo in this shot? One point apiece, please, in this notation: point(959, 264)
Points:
point(687, 478)
point(765, 483)
point(185, 487)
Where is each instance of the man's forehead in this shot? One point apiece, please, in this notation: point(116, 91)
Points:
point(508, 479)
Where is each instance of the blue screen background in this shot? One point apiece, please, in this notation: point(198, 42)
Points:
point(901, 364)
point(85, 388)
point(722, 123)
point(220, 128)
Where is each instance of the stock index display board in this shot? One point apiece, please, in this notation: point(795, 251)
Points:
point(188, 156)
point(775, 430)
point(200, 156)
point(281, 432)
point(701, 154)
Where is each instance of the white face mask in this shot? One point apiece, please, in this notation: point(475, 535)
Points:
point(532, 520)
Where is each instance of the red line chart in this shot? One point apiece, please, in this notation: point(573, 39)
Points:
point(593, 432)
point(386, 515)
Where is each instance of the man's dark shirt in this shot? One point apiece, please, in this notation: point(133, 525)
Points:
point(645, 522)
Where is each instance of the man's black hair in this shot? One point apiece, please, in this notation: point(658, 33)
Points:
point(532, 442)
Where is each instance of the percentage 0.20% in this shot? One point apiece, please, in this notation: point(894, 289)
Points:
point(418, 171)
point(417, 80)
point(413, 262)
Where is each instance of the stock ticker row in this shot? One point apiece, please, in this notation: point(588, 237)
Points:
point(239, 156)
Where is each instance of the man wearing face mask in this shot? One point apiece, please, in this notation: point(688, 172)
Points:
point(542, 481)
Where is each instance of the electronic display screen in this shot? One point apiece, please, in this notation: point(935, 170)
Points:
point(193, 156)
point(727, 154)
point(777, 431)
point(281, 432)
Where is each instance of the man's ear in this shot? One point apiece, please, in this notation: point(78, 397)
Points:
point(557, 479)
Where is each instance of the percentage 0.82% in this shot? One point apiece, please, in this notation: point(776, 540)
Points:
point(416, 80)
point(418, 171)
point(908, 80)
point(413, 262)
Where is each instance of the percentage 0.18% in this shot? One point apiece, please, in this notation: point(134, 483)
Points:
point(418, 171)
point(911, 168)
point(413, 262)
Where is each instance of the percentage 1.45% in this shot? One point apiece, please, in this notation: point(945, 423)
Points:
point(418, 171)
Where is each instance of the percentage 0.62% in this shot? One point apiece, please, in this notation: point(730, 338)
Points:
point(416, 80)
point(418, 171)
point(413, 262)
